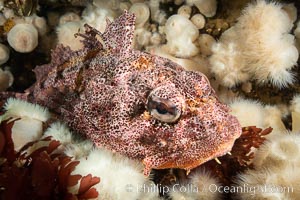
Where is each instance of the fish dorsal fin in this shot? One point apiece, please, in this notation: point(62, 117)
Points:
point(117, 37)
point(118, 34)
point(58, 56)
point(61, 54)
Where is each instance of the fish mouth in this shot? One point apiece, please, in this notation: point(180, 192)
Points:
point(189, 164)
point(193, 158)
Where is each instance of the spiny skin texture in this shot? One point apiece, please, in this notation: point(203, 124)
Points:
point(103, 89)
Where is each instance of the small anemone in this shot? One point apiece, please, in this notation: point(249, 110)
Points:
point(23, 38)
point(16, 108)
point(278, 151)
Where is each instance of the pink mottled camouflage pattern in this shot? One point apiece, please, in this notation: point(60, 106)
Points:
point(101, 91)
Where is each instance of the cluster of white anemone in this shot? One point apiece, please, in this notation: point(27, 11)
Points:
point(201, 184)
point(254, 113)
point(165, 34)
point(258, 46)
point(275, 174)
point(29, 118)
point(23, 37)
point(121, 178)
point(6, 77)
point(276, 162)
point(244, 52)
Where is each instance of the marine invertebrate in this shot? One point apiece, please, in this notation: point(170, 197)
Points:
point(203, 180)
point(291, 10)
point(2, 19)
point(177, 195)
point(121, 178)
point(142, 13)
point(178, 2)
point(227, 63)
point(199, 186)
point(25, 8)
point(207, 7)
point(156, 14)
point(72, 144)
point(69, 17)
point(241, 109)
point(141, 38)
point(30, 119)
point(129, 101)
point(206, 42)
point(16, 108)
point(65, 30)
point(40, 24)
point(278, 151)
point(6, 79)
point(60, 132)
point(198, 20)
point(156, 39)
point(8, 13)
point(95, 16)
point(180, 40)
point(78, 148)
point(23, 38)
point(251, 112)
point(269, 184)
point(275, 173)
point(297, 35)
point(185, 11)
point(295, 111)
point(246, 50)
point(4, 54)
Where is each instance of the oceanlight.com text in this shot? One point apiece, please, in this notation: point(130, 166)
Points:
point(213, 188)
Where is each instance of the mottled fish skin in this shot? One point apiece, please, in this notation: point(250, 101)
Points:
point(108, 91)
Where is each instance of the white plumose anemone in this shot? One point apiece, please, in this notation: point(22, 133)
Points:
point(23, 38)
point(16, 108)
point(248, 50)
point(200, 185)
point(65, 34)
point(181, 34)
point(295, 111)
point(71, 144)
point(253, 113)
point(142, 13)
point(6, 79)
point(4, 54)
point(29, 124)
point(120, 177)
point(276, 169)
point(207, 7)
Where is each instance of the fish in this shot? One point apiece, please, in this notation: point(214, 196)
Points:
point(134, 103)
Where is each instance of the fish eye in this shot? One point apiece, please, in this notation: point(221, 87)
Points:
point(162, 109)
